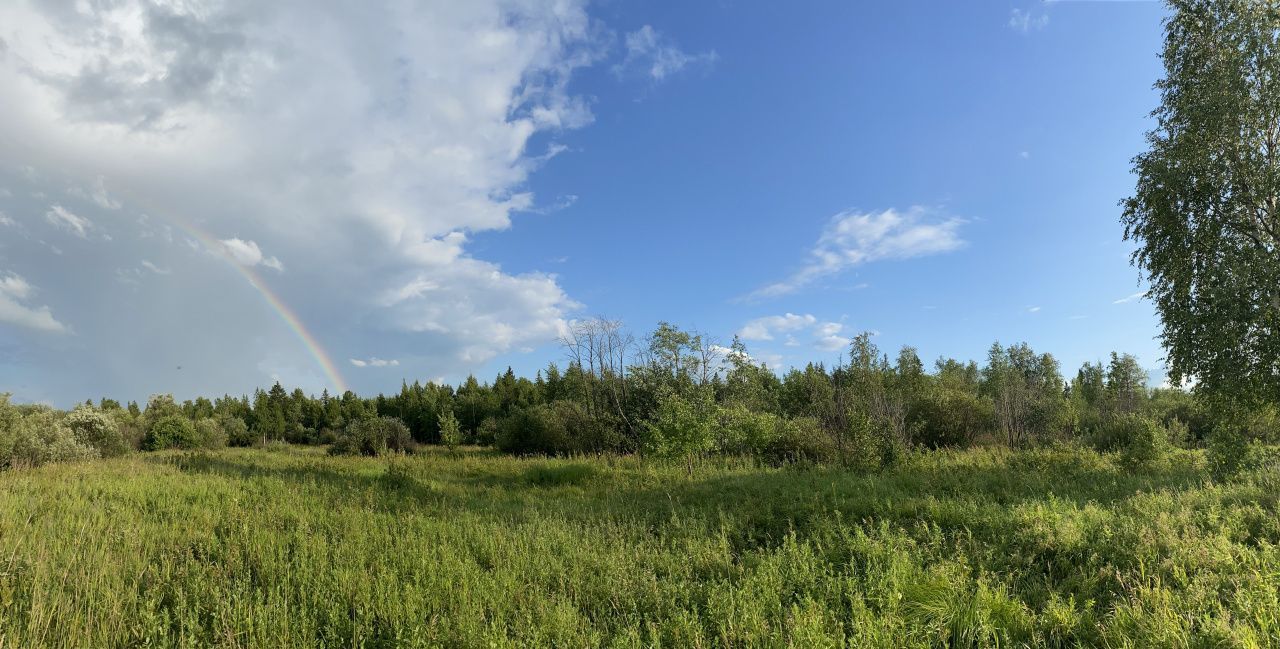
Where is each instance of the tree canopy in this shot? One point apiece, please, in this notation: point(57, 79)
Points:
point(1206, 210)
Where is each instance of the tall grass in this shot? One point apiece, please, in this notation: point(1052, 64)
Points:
point(293, 548)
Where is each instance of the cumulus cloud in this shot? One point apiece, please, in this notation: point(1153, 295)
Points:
point(828, 339)
point(14, 292)
point(6, 221)
point(63, 218)
point(854, 238)
point(764, 328)
point(374, 362)
point(657, 56)
point(364, 144)
point(247, 253)
point(825, 335)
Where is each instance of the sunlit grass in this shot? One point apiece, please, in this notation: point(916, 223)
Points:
point(292, 548)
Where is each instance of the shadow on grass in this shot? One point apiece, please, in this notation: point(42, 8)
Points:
point(952, 492)
point(391, 490)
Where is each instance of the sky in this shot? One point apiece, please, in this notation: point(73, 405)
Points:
point(205, 197)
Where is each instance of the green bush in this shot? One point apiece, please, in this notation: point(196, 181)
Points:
point(802, 439)
point(740, 431)
point(539, 430)
point(36, 437)
point(171, 431)
point(235, 431)
point(450, 432)
point(681, 427)
point(96, 430)
point(1227, 450)
point(373, 437)
point(487, 432)
point(952, 418)
point(1145, 442)
point(209, 434)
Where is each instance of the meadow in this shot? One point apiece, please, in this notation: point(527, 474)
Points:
point(286, 546)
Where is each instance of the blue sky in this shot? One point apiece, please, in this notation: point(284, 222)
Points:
point(440, 189)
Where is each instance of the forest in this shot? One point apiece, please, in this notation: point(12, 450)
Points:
point(677, 395)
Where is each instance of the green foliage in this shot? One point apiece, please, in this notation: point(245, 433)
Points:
point(450, 432)
point(373, 437)
point(1144, 442)
point(802, 439)
point(740, 431)
point(953, 418)
point(171, 431)
point(1204, 212)
point(96, 430)
point(235, 431)
point(681, 427)
point(209, 433)
point(36, 436)
point(560, 475)
point(536, 430)
point(487, 433)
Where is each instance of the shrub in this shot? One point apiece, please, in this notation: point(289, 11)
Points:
point(487, 432)
point(1145, 442)
point(680, 427)
point(1227, 449)
point(209, 434)
point(373, 437)
point(533, 431)
point(952, 418)
point(588, 434)
point(1119, 432)
point(743, 432)
point(802, 439)
point(96, 430)
point(235, 431)
point(37, 438)
point(171, 431)
point(450, 432)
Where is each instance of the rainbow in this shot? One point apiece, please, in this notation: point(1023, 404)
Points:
point(290, 318)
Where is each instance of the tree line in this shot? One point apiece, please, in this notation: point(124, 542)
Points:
point(676, 394)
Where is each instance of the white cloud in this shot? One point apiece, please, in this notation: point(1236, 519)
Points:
point(764, 328)
point(247, 253)
point(374, 362)
point(61, 217)
point(365, 144)
point(97, 192)
point(828, 339)
point(6, 221)
point(657, 56)
point(154, 268)
point(472, 311)
point(14, 291)
point(1034, 309)
point(825, 335)
point(854, 238)
point(1130, 298)
point(1025, 21)
point(1025, 155)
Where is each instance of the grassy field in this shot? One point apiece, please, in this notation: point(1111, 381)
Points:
point(291, 548)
